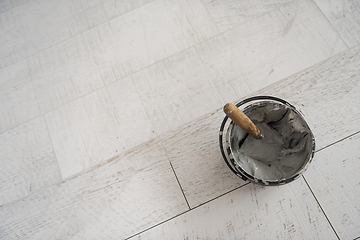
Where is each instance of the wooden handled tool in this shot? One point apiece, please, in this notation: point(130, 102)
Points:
point(242, 120)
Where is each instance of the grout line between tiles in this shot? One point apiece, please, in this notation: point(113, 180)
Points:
point(216, 35)
point(78, 34)
point(182, 190)
point(331, 24)
point(189, 210)
point(277, 82)
point(349, 136)
point(157, 224)
point(338, 141)
point(177, 179)
point(321, 207)
point(247, 183)
point(240, 97)
point(52, 145)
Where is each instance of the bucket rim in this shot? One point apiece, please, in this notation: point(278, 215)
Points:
point(237, 170)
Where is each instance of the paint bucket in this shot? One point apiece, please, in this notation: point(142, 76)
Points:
point(229, 144)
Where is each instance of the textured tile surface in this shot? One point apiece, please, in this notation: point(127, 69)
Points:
point(84, 81)
point(321, 92)
point(326, 95)
point(149, 34)
point(234, 64)
point(345, 17)
point(251, 212)
point(109, 201)
point(195, 155)
point(25, 33)
point(28, 161)
point(339, 196)
point(96, 127)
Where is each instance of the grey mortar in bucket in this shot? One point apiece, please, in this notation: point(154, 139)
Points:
point(284, 153)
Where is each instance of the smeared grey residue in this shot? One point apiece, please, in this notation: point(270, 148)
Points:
point(285, 148)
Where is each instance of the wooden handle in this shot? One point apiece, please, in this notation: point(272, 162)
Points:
point(242, 120)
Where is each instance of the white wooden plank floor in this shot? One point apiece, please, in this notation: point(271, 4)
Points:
point(31, 166)
point(345, 17)
point(116, 199)
point(251, 212)
point(109, 117)
point(194, 146)
point(339, 196)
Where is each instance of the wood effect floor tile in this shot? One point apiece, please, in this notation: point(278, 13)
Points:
point(229, 14)
point(356, 4)
point(64, 73)
point(251, 212)
point(76, 67)
point(326, 94)
point(138, 39)
point(236, 63)
point(272, 46)
point(5, 5)
point(28, 161)
point(195, 155)
point(114, 200)
point(17, 97)
point(335, 181)
point(24, 33)
point(19, 105)
point(98, 126)
point(47, 81)
point(322, 93)
point(80, 64)
point(344, 15)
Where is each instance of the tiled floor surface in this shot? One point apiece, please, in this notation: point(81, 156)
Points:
point(110, 111)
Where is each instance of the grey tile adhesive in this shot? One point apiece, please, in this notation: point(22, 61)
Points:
point(284, 151)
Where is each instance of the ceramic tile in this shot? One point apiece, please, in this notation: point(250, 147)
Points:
point(81, 64)
point(195, 155)
point(49, 80)
point(251, 212)
point(96, 127)
point(63, 73)
point(25, 34)
point(345, 18)
point(28, 161)
point(176, 91)
point(335, 181)
point(194, 149)
point(83, 81)
point(5, 5)
point(325, 94)
point(109, 201)
point(21, 103)
point(228, 14)
point(18, 100)
point(356, 4)
point(271, 47)
point(138, 39)
point(234, 64)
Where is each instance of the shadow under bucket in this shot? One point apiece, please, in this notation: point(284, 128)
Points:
point(262, 163)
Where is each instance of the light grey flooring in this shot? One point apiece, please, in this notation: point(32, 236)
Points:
point(110, 111)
